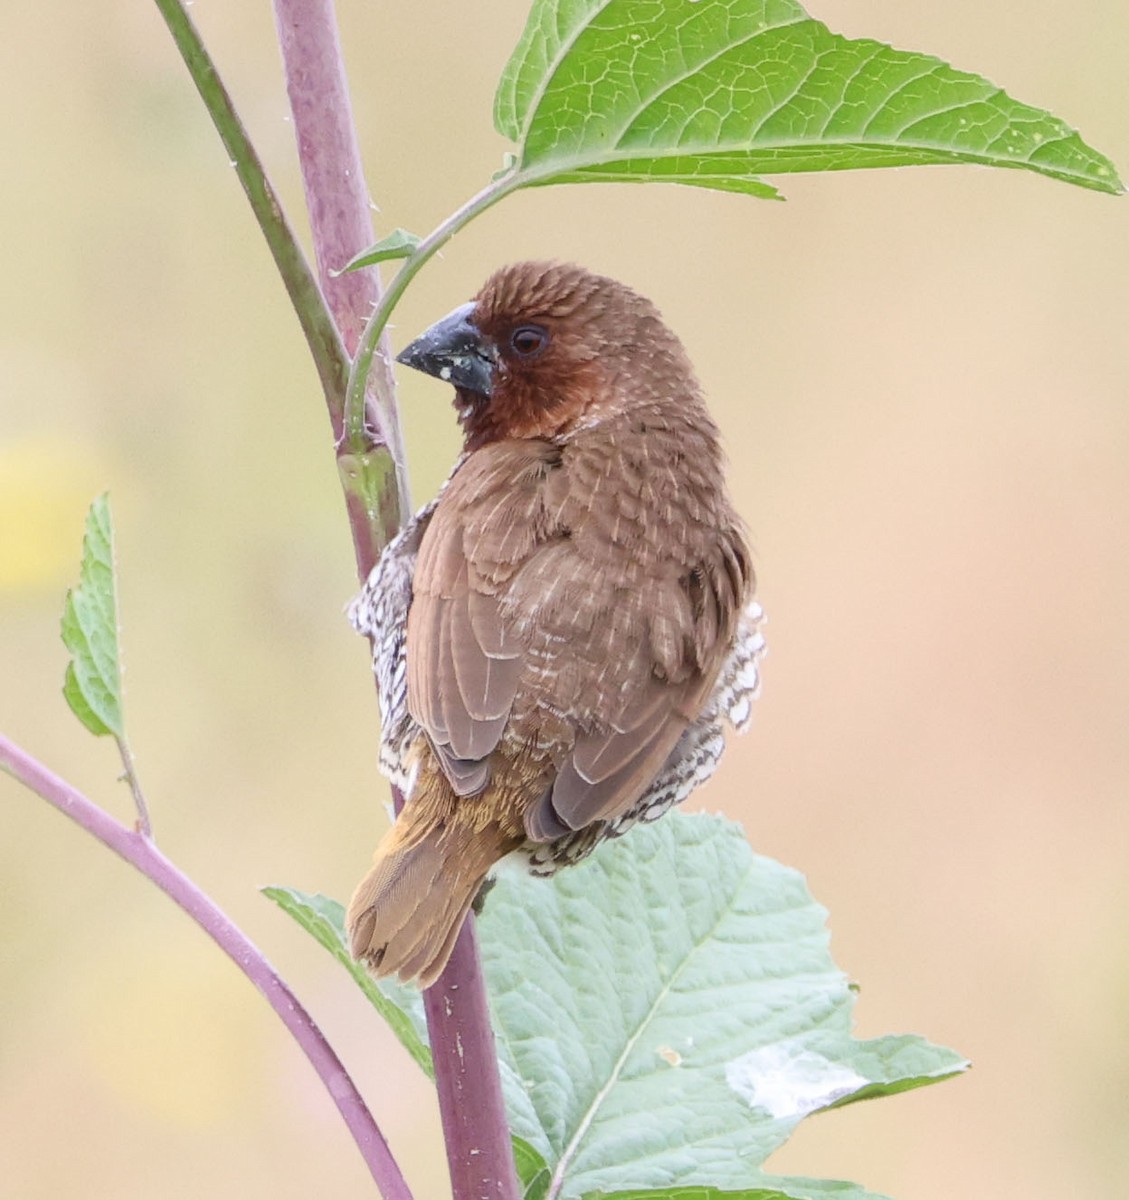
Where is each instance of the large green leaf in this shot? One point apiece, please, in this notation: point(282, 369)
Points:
point(718, 92)
point(667, 1012)
point(93, 683)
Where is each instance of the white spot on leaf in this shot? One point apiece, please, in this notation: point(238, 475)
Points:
point(789, 1081)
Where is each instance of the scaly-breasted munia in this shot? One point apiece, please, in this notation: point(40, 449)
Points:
point(556, 637)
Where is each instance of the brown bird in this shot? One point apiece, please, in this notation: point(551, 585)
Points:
point(558, 635)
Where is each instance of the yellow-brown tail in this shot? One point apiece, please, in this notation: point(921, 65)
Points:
point(406, 913)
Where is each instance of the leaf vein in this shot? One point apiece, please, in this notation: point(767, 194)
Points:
point(952, 108)
point(845, 87)
point(700, 67)
point(554, 66)
point(884, 103)
point(589, 1116)
point(787, 99)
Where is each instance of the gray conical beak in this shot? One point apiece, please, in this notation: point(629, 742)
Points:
point(454, 350)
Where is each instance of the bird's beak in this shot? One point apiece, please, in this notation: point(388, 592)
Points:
point(454, 350)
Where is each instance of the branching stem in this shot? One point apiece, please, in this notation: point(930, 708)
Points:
point(144, 825)
point(337, 200)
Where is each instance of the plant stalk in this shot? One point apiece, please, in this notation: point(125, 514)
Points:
point(337, 200)
point(129, 774)
point(462, 1039)
point(475, 1128)
point(140, 852)
point(330, 359)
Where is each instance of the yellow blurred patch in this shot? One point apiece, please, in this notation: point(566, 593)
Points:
point(45, 489)
point(172, 1031)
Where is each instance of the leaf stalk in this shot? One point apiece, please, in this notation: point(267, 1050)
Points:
point(129, 774)
point(356, 435)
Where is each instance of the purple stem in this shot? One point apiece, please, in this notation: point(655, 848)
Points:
point(337, 200)
point(479, 1152)
point(336, 195)
point(141, 853)
point(475, 1129)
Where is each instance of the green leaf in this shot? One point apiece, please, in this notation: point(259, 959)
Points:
point(93, 683)
point(531, 1170)
point(400, 1006)
point(667, 1012)
point(801, 1189)
point(398, 244)
point(719, 92)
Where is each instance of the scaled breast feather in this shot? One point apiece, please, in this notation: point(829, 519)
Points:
point(380, 613)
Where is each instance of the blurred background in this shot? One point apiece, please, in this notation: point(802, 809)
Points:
point(922, 377)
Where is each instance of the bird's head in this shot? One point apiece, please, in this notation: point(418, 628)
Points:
point(545, 348)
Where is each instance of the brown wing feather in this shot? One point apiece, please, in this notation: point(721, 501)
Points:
point(464, 658)
point(657, 634)
point(578, 801)
point(486, 678)
point(611, 767)
point(546, 630)
point(446, 664)
point(423, 655)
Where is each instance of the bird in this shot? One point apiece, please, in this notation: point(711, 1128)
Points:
point(558, 636)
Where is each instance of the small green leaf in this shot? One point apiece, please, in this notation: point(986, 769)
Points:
point(718, 92)
point(797, 1189)
point(667, 1013)
point(400, 1006)
point(93, 683)
point(531, 1170)
point(398, 244)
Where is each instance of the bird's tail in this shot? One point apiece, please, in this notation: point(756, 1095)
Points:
point(406, 913)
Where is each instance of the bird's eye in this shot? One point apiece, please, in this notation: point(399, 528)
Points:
point(529, 340)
